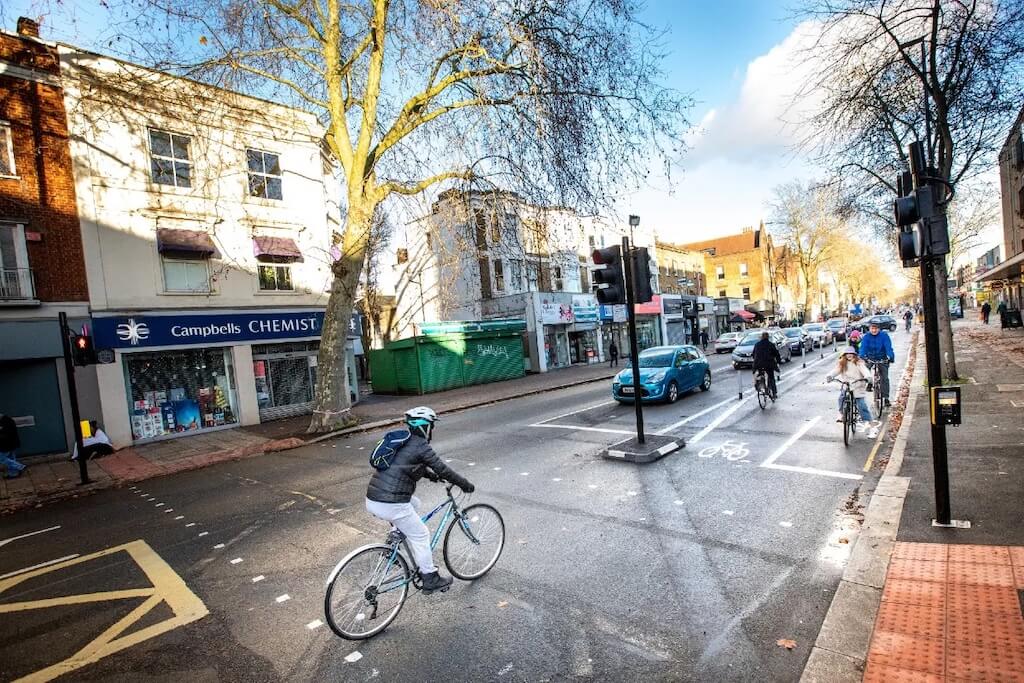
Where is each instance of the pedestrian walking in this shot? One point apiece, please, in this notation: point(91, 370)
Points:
point(986, 310)
point(9, 444)
point(704, 339)
point(613, 355)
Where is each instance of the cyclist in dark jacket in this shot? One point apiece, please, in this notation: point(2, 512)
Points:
point(389, 495)
point(766, 357)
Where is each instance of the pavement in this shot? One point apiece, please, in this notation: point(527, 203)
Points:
point(50, 478)
point(920, 602)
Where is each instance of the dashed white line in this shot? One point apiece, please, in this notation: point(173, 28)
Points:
point(524, 474)
point(218, 546)
point(471, 464)
point(257, 579)
point(677, 502)
point(202, 533)
point(315, 624)
point(581, 410)
point(353, 657)
point(496, 469)
point(168, 510)
point(591, 486)
point(786, 524)
point(179, 517)
point(282, 598)
point(160, 505)
point(237, 560)
point(556, 479)
point(728, 512)
point(190, 524)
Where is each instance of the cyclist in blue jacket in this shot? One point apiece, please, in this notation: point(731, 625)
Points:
point(877, 346)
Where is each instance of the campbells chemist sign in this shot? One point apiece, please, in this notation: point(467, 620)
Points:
point(139, 331)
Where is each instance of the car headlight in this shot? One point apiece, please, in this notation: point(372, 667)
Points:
point(656, 377)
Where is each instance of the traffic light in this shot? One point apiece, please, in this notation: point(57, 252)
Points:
point(924, 230)
point(644, 291)
point(82, 351)
point(609, 282)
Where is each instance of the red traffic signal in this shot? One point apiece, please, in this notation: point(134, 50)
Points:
point(82, 351)
point(609, 283)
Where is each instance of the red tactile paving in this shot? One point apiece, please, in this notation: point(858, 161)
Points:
point(950, 613)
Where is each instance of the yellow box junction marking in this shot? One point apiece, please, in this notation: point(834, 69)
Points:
point(167, 587)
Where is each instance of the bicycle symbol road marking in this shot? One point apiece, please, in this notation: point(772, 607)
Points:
point(730, 450)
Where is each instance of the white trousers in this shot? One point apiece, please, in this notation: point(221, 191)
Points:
point(405, 518)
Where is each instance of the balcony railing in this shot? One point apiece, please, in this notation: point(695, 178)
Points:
point(17, 284)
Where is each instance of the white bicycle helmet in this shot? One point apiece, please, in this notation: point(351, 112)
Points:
point(421, 419)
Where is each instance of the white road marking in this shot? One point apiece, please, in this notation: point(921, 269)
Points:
point(202, 533)
point(31, 533)
point(471, 464)
point(257, 579)
point(218, 546)
point(496, 469)
point(237, 560)
point(560, 479)
point(685, 420)
point(786, 524)
point(160, 505)
point(282, 598)
point(524, 474)
point(806, 427)
point(728, 512)
point(677, 502)
point(37, 566)
point(770, 462)
point(630, 493)
point(586, 429)
point(315, 624)
point(179, 517)
point(591, 486)
point(575, 412)
point(353, 657)
point(717, 421)
point(168, 510)
point(190, 524)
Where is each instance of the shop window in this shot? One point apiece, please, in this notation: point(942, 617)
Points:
point(170, 163)
point(6, 150)
point(186, 275)
point(720, 272)
point(179, 392)
point(499, 275)
point(275, 278)
point(264, 174)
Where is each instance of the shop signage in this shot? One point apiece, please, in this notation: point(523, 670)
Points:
point(584, 308)
point(673, 305)
point(139, 331)
point(616, 313)
point(554, 313)
point(652, 307)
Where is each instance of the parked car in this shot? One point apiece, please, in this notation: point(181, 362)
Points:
point(886, 322)
point(727, 342)
point(799, 341)
point(665, 373)
point(742, 355)
point(821, 335)
point(838, 327)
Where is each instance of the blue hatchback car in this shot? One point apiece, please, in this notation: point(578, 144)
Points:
point(665, 373)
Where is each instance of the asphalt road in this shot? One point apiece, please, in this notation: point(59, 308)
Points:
point(690, 568)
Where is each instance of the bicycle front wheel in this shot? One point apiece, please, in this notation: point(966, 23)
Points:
point(474, 542)
point(762, 395)
point(847, 422)
point(366, 592)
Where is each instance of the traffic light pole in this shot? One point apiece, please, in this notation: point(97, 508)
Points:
point(69, 370)
point(940, 461)
point(634, 352)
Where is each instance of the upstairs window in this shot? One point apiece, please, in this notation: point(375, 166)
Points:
point(170, 161)
point(499, 275)
point(720, 272)
point(264, 174)
point(743, 270)
point(556, 279)
point(6, 150)
point(746, 293)
point(275, 278)
point(275, 256)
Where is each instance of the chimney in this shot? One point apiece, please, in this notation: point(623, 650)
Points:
point(28, 27)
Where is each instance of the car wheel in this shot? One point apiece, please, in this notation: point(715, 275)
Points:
point(672, 393)
point(706, 384)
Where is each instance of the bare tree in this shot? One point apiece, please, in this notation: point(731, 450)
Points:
point(805, 218)
point(552, 100)
point(871, 86)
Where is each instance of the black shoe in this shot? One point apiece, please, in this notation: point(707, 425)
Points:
point(886, 403)
point(435, 582)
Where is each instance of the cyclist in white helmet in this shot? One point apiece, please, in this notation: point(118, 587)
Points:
point(389, 495)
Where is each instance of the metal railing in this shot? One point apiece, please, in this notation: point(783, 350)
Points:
point(17, 283)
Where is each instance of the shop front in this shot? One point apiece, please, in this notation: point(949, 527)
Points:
point(584, 341)
point(556, 315)
point(678, 327)
point(648, 323)
point(185, 373)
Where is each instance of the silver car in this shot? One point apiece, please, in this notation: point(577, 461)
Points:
point(727, 342)
point(818, 332)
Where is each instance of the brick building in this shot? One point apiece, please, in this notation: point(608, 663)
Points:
point(43, 269)
point(681, 270)
point(1004, 280)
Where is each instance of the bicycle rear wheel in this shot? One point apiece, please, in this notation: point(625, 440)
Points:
point(762, 394)
point(474, 542)
point(366, 591)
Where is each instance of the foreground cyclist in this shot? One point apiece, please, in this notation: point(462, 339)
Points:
point(877, 346)
point(855, 372)
point(389, 495)
point(766, 357)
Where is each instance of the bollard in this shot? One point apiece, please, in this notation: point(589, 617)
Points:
point(739, 382)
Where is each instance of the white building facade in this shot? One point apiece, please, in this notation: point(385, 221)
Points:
point(207, 224)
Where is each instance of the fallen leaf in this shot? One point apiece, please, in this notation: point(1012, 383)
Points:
point(503, 604)
point(844, 540)
point(786, 643)
point(202, 40)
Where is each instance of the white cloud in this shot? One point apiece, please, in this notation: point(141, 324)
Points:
point(759, 125)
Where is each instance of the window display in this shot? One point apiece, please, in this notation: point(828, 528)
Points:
point(172, 392)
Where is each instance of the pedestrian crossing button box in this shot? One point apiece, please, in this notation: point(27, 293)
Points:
point(946, 406)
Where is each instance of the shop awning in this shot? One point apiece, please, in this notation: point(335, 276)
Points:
point(1007, 270)
point(276, 249)
point(186, 243)
point(741, 315)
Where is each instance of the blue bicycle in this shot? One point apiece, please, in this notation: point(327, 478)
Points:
point(367, 589)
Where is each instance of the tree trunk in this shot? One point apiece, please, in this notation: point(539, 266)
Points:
point(946, 351)
point(332, 403)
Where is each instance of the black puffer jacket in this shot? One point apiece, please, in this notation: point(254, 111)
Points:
point(766, 355)
point(397, 483)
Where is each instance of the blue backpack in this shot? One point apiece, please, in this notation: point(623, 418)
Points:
point(384, 452)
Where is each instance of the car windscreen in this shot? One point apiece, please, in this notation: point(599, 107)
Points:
point(814, 328)
point(661, 359)
point(752, 338)
point(792, 332)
